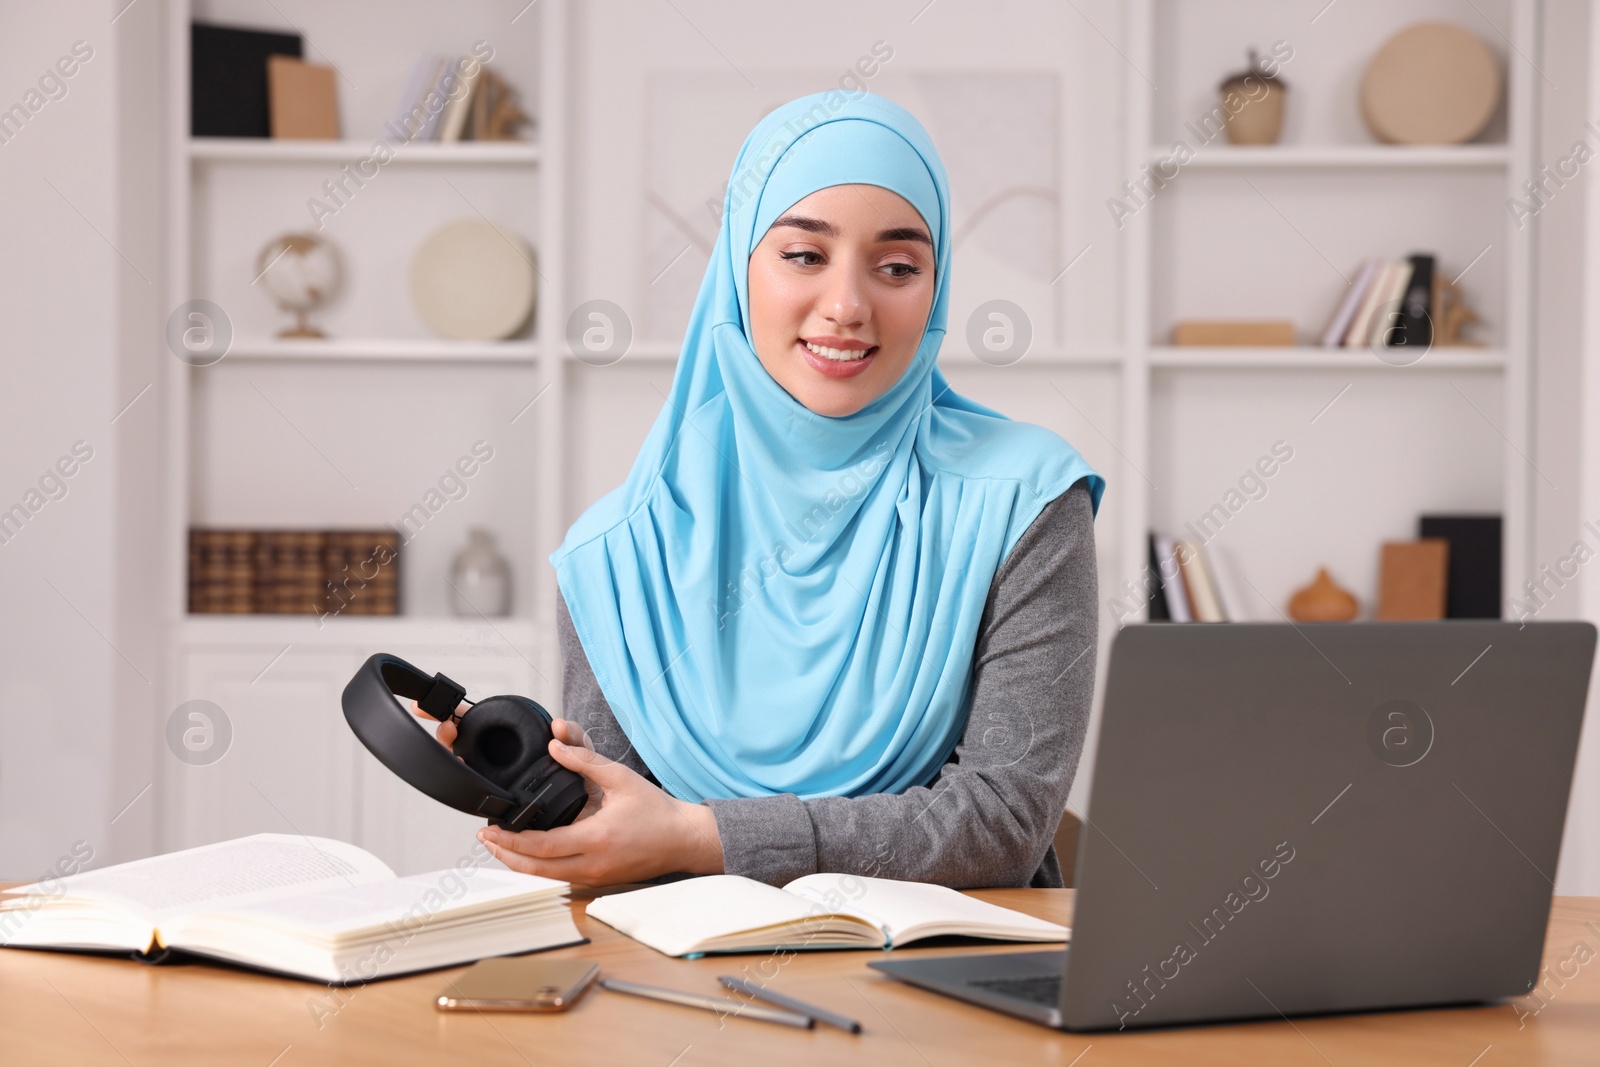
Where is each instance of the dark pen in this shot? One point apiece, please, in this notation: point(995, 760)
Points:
point(700, 1000)
point(823, 1015)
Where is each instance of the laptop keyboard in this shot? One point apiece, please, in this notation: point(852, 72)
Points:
point(1043, 989)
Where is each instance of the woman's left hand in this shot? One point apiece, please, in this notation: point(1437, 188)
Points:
point(629, 831)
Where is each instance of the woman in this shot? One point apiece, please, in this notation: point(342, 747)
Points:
point(838, 617)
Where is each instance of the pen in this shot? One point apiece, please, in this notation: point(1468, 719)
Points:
point(739, 985)
point(716, 1004)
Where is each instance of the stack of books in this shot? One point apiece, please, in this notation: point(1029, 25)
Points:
point(294, 572)
point(1390, 303)
point(455, 100)
point(1189, 585)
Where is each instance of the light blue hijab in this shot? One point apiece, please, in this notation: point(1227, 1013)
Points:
point(777, 601)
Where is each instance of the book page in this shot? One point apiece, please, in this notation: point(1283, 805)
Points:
point(682, 917)
point(909, 910)
point(416, 902)
point(226, 873)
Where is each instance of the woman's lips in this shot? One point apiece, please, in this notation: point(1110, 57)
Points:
point(836, 368)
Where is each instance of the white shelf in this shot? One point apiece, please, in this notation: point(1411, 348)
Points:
point(1318, 157)
point(307, 630)
point(367, 348)
point(266, 150)
point(1309, 357)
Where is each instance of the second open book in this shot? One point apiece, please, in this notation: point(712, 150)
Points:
point(728, 913)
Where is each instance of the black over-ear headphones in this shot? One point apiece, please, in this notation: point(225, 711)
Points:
point(505, 772)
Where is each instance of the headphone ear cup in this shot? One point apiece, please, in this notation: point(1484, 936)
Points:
point(503, 737)
point(507, 740)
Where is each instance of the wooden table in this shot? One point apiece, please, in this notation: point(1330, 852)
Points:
point(64, 1009)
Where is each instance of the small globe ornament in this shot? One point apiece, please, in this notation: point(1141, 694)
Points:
point(302, 273)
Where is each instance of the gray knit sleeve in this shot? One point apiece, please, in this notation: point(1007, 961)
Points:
point(582, 700)
point(989, 817)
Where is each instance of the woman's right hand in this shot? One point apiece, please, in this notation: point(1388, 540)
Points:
point(446, 733)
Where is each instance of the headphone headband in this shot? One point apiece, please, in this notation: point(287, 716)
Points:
point(403, 744)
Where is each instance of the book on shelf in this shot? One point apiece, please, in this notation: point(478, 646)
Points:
point(1339, 324)
point(1473, 579)
point(1225, 580)
point(361, 572)
point(1386, 311)
point(228, 78)
point(407, 123)
point(453, 120)
point(1391, 303)
point(303, 100)
point(430, 106)
point(288, 571)
point(221, 571)
point(450, 100)
point(1361, 323)
point(1412, 579)
point(1157, 609)
point(730, 913)
point(1177, 594)
point(1191, 583)
point(1197, 579)
point(294, 572)
point(303, 907)
point(1229, 333)
point(1415, 325)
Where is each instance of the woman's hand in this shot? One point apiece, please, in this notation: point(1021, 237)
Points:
point(629, 831)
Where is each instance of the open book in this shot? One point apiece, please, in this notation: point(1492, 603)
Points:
point(729, 913)
point(307, 907)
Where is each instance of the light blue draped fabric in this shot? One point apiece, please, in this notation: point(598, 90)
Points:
point(777, 601)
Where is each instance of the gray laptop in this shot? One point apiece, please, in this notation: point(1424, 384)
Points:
point(1289, 820)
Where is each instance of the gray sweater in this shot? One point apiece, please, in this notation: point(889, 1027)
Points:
point(989, 817)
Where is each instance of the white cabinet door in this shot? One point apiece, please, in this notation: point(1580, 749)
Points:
point(269, 752)
point(408, 830)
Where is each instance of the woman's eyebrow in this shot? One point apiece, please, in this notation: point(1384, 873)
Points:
point(809, 224)
point(828, 229)
point(906, 233)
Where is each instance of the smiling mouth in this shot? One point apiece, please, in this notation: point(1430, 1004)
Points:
point(839, 355)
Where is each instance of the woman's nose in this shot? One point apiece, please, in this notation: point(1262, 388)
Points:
point(844, 301)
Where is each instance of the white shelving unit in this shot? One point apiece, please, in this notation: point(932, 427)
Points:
point(1157, 379)
point(278, 678)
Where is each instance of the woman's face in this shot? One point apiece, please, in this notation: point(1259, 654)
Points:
point(847, 270)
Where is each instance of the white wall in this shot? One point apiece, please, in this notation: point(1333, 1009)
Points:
point(60, 280)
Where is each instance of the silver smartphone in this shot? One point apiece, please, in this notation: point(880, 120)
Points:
point(519, 983)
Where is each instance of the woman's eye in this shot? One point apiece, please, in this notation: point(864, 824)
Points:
point(902, 270)
point(798, 255)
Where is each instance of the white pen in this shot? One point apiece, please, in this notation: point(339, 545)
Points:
point(720, 1005)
